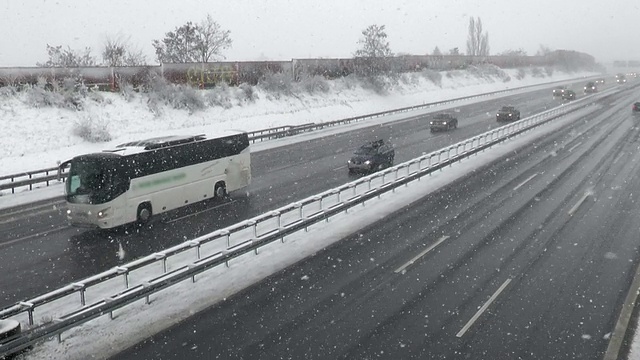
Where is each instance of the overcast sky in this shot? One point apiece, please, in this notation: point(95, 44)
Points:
point(286, 29)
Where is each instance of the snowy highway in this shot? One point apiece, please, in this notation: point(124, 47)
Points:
point(41, 252)
point(529, 257)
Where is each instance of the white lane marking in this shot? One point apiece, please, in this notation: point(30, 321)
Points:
point(620, 155)
point(423, 253)
point(483, 309)
point(577, 205)
point(7, 243)
point(524, 182)
point(575, 146)
point(199, 212)
point(340, 168)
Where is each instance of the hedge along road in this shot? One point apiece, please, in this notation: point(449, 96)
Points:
point(35, 259)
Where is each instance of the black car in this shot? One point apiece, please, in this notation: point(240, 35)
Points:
point(508, 113)
point(635, 108)
point(600, 81)
point(558, 91)
point(590, 87)
point(621, 79)
point(371, 156)
point(443, 121)
point(569, 95)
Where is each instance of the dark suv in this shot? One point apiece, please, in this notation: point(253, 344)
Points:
point(635, 108)
point(590, 87)
point(371, 156)
point(443, 121)
point(569, 95)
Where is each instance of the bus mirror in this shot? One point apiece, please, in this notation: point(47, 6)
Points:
point(61, 166)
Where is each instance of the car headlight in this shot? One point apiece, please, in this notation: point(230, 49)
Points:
point(348, 161)
point(103, 213)
point(510, 114)
point(431, 123)
point(368, 162)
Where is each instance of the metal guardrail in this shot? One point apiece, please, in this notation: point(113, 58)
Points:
point(30, 178)
point(198, 255)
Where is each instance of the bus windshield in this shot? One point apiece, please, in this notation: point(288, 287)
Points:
point(93, 180)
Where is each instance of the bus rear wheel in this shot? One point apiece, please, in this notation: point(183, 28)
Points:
point(220, 190)
point(144, 213)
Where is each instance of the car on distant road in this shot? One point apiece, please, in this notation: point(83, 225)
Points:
point(621, 79)
point(508, 113)
point(600, 81)
point(635, 108)
point(569, 95)
point(372, 156)
point(590, 88)
point(443, 122)
point(558, 91)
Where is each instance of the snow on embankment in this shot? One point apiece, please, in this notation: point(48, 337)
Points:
point(42, 127)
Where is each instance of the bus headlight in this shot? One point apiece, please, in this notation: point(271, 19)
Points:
point(103, 213)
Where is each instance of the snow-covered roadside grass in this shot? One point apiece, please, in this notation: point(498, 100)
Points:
point(42, 192)
point(38, 137)
point(102, 337)
point(43, 146)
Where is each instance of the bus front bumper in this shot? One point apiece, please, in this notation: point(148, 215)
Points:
point(89, 220)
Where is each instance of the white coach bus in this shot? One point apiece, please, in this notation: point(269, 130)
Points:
point(143, 178)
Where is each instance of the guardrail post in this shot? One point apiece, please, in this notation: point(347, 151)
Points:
point(159, 256)
point(228, 235)
point(80, 287)
point(30, 309)
point(123, 270)
point(254, 224)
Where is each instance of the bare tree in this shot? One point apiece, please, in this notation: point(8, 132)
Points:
point(211, 39)
point(544, 50)
point(477, 41)
point(454, 51)
point(59, 57)
point(514, 52)
point(118, 51)
point(193, 42)
point(373, 43)
point(372, 57)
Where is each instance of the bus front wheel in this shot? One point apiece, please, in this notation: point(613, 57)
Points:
point(144, 213)
point(220, 190)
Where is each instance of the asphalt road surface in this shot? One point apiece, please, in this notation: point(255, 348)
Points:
point(527, 258)
point(39, 252)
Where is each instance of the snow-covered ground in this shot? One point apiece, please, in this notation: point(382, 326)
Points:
point(39, 137)
point(103, 337)
point(36, 138)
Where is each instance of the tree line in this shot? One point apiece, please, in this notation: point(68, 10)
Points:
point(205, 41)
